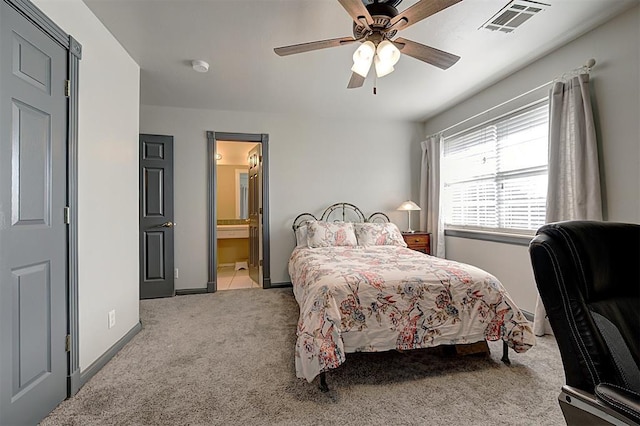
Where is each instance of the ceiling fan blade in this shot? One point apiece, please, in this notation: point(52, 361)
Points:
point(430, 55)
point(419, 11)
point(356, 81)
point(357, 11)
point(314, 45)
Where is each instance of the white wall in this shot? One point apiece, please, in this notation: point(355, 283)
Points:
point(313, 163)
point(616, 82)
point(108, 179)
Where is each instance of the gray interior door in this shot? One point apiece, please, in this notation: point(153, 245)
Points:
point(255, 213)
point(156, 216)
point(33, 233)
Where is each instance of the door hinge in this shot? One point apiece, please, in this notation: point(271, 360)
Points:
point(260, 262)
point(67, 345)
point(67, 88)
point(260, 159)
point(260, 210)
point(67, 215)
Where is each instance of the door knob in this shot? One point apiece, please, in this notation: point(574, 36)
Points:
point(165, 225)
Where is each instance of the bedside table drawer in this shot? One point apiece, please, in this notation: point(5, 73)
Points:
point(418, 241)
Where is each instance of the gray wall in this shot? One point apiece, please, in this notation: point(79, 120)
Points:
point(616, 82)
point(314, 162)
point(107, 180)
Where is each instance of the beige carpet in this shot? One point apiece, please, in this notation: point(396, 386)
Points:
point(227, 359)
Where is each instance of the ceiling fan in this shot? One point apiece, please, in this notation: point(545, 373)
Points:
point(375, 24)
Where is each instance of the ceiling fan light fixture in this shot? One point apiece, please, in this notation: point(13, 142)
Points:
point(363, 57)
point(365, 52)
point(382, 68)
point(375, 24)
point(388, 53)
point(361, 68)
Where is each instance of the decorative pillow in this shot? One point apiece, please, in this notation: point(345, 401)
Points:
point(379, 234)
point(330, 234)
point(301, 235)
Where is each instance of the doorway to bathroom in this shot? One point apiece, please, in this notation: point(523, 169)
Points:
point(233, 197)
point(238, 211)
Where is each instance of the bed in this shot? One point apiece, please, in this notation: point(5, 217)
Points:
point(360, 289)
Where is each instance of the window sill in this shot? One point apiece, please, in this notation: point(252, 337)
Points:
point(513, 239)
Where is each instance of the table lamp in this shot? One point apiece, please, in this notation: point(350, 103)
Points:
point(409, 206)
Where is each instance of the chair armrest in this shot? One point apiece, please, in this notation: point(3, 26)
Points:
point(622, 400)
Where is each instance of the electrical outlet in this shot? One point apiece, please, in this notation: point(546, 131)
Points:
point(112, 318)
point(175, 275)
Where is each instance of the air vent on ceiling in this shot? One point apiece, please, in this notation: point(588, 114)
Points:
point(514, 14)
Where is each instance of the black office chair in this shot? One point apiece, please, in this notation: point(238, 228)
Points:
point(588, 277)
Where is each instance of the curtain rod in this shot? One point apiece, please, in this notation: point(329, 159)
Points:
point(586, 68)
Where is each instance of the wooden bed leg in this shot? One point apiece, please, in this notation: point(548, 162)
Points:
point(323, 382)
point(505, 353)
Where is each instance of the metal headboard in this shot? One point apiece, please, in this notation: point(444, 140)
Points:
point(378, 217)
point(341, 212)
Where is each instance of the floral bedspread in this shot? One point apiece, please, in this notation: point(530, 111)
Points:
point(388, 297)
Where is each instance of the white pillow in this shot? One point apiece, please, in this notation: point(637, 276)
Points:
point(379, 234)
point(301, 235)
point(330, 234)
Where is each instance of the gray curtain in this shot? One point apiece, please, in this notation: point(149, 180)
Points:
point(574, 191)
point(430, 217)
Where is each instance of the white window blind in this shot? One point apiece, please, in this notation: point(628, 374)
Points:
point(495, 174)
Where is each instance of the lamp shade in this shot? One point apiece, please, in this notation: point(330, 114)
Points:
point(408, 206)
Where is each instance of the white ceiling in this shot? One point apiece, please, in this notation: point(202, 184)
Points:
point(237, 38)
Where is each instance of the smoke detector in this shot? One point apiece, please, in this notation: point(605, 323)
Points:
point(200, 65)
point(514, 14)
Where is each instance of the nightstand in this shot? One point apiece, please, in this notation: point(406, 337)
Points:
point(418, 241)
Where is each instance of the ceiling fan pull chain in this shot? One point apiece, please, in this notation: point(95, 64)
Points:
point(375, 84)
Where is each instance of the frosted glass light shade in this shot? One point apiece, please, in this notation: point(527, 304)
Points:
point(361, 68)
point(388, 53)
point(382, 68)
point(363, 57)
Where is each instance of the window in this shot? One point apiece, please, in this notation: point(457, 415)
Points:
point(495, 174)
